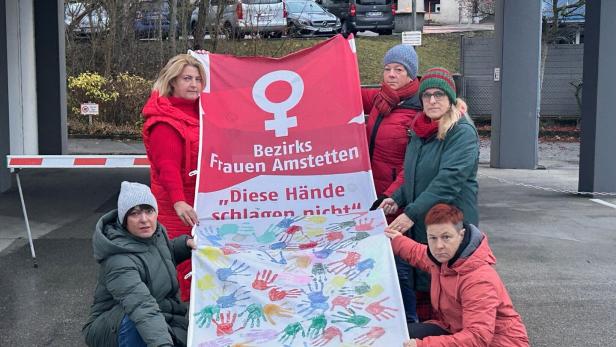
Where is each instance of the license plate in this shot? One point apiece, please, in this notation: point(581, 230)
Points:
point(374, 14)
point(326, 29)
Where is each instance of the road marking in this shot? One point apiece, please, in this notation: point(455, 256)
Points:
point(604, 203)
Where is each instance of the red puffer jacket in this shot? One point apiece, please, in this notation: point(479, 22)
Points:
point(390, 140)
point(469, 298)
point(161, 110)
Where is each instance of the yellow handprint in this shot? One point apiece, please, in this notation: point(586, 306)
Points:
point(375, 291)
point(206, 282)
point(213, 254)
point(270, 310)
point(316, 219)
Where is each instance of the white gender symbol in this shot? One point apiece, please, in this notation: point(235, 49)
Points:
point(281, 122)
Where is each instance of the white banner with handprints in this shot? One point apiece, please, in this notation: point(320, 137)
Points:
point(303, 281)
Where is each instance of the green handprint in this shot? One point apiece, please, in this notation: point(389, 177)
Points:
point(205, 316)
point(356, 321)
point(290, 332)
point(268, 236)
point(255, 314)
point(317, 326)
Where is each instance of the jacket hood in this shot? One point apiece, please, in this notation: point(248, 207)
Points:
point(477, 253)
point(110, 238)
point(161, 106)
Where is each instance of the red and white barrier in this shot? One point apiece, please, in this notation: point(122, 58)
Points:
point(76, 161)
point(18, 162)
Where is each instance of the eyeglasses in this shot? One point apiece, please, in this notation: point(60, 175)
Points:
point(438, 96)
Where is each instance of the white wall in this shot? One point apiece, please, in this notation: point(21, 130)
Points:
point(449, 14)
point(21, 77)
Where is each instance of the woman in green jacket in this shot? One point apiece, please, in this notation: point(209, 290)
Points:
point(136, 299)
point(440, 164)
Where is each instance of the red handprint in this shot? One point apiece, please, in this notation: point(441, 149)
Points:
point(335, 236)
point(351, 259)
point(287, 235)
point(379, 311)
point(308, 245)
point(328, 335)
point(263, 281)
point(346, 302)
point(231, 248)
point(276, 295)
point(365, 225)
point(225, 324)
point(370, 337)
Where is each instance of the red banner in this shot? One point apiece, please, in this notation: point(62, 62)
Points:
point(284, 136)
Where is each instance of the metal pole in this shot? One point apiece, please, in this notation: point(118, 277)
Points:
point(414, 9)
point(23, 208)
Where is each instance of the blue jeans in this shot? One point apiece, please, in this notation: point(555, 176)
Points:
point(407, 287)
point(128, 336)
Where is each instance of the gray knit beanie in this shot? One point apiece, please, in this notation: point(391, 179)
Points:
point(134, 194)
point(404, 55)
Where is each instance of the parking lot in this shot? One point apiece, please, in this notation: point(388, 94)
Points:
point(555, 251)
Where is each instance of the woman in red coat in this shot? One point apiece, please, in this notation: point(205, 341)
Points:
point(171, 138)
point(391, 109)
point(471, 304)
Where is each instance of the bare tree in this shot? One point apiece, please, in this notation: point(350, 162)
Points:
point(559, 11)
point(477, 8)
point(199, 29)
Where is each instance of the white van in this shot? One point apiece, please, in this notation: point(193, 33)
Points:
point(246, 17)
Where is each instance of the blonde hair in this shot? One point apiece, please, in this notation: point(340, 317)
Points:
point(172, 70)
point(450, 118)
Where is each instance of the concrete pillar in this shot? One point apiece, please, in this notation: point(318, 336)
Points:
point(515, 122)
point(598, 125)
point(21, 77)
point(51, 76)
point(5, 143)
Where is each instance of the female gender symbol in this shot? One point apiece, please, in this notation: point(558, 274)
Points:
point(281, 122)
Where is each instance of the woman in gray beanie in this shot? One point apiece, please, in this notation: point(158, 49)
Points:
point(391, 110)
point(136, 299)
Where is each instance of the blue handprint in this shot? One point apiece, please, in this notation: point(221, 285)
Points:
point(316, 299)
point(224, 273)
point(230, 300)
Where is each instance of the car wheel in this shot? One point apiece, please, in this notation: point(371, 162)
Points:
point(385, 32)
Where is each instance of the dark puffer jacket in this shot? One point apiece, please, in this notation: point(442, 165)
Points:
point(390, 140)
point(137, 277)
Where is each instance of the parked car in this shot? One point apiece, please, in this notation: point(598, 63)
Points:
point(90, 19)
point(360, 15)
point(148, 15)
point(246, 17)
point(307, 18)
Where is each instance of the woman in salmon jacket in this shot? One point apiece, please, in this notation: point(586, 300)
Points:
point(471, 304)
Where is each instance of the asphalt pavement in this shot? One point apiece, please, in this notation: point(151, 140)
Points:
point(554, 250)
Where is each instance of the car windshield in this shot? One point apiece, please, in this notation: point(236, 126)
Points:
point(304, 7)
point(373, 2)
point(260, 2)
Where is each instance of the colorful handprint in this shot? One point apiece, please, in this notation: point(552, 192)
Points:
point(328, 335)
point(272, 310)
point(378, 311)
point(264, 281)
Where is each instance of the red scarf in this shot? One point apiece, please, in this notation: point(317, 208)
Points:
point(388, 99)
point(424, 127)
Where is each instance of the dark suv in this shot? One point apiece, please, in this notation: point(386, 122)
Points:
point(359, 15)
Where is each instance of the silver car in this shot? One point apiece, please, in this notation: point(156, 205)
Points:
point(246, 17)
point(307, 18)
